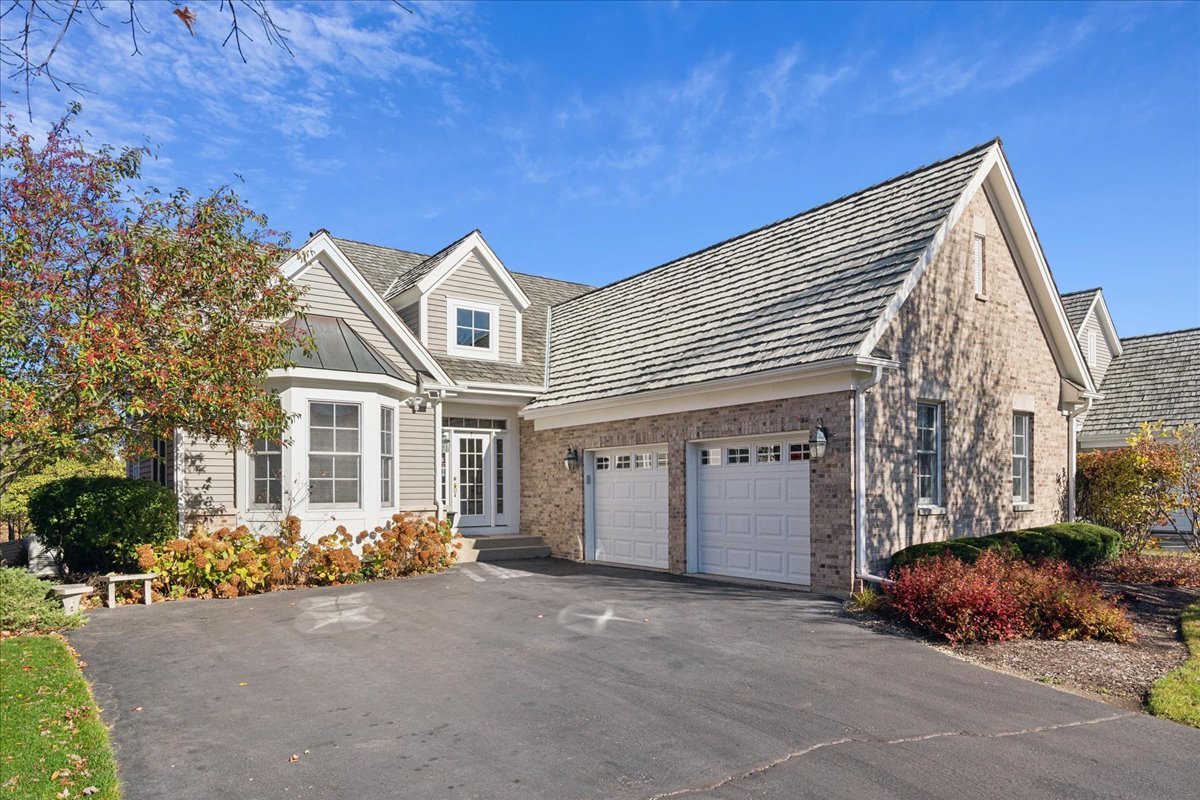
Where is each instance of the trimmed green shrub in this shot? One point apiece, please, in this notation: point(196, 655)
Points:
point(97, 523)
point(26, 605)
point(1080, 544)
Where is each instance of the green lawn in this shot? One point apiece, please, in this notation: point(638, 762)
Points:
point(1177, 695)
point(51, 736)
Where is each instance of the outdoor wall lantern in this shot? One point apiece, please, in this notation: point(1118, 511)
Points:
point(571, 459)
point(818, 440)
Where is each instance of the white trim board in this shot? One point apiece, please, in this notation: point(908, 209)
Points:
point(472, 243)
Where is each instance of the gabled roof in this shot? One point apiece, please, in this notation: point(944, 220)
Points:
point(379, 265)
point(1077, 305)
point(806, 289)
point(543, 293)
point(337, 347)
point(410, 278)
point(1155, 379)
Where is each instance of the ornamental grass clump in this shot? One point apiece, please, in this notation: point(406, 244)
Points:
point(999, 597)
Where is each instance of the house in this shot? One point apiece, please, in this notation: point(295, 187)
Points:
point(791, 405)
point(1141, 379)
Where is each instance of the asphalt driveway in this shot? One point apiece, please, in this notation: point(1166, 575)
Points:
point(553, 680)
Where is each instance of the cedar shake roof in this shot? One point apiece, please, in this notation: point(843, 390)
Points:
point(802, 290)
point(379, 265)
point(1157, 378)
point(1076, 304)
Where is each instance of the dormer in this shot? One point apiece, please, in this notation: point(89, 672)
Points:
point(463, 303)
point(1094, 329)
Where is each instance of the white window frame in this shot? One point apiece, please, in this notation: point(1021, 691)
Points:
point(603, 463)
point(768, 454)
point(490, 353)
point(799, 451)
point(738, 455)
point(1022, 463)
point(358, 503)
point(273, 448)
point(387, 458)
point(979, 263)
point(623, 461)
point(938, 428)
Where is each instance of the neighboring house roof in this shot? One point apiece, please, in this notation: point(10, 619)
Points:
point(338, 347)
point(379, 265)
point(543, 293)
point(1077, 305)
point(1153, 380)
point(806, 289)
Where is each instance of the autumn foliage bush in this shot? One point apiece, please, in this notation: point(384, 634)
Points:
point(237, 562)
point(1155, 569)
point(999, 597)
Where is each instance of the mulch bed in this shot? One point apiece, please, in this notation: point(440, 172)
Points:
point(1119, 674)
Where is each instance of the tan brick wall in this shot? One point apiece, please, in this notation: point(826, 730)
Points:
point(552, 498)
point(974, 356)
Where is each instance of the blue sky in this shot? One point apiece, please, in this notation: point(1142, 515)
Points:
point(589, 142)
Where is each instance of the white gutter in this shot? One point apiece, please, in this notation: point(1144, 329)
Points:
point(860, 489)
point(437, 460)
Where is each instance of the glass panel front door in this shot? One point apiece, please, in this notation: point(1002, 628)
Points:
point(477, 478)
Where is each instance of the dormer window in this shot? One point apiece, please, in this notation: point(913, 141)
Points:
point(471, 329)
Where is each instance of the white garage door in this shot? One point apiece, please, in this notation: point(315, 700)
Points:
point(753, 514)
point(629, 506)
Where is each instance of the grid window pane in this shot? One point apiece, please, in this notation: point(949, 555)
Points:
point(334, 460)
point(737, 455)
point(601, 462)
point(623, 462)
point(473, 328)
point(767, 453)
point(1022, 456)
point(387, 449)
point(929, 455)
point(499, 447)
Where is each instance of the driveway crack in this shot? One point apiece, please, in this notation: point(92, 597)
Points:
point(761, 768)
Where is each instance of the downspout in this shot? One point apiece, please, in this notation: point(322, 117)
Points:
point(860, 489)
point(438, 457)
point(1072, 454)
point(177, 470)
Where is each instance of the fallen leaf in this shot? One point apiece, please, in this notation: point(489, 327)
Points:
point(83, 663)
point(137, 708)
point(90, 790)
point(243, 683)
point(295, 757)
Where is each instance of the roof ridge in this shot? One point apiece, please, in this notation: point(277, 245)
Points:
point(380, 246)
point(820, 206)
point(1082, 291)
point(1161, 333)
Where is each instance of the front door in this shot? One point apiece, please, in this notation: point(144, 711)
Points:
point(477, 478)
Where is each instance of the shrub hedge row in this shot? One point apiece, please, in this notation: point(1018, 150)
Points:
point(1080, 544)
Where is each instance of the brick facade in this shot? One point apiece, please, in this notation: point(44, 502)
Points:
point(982, 359)
point(552, 498)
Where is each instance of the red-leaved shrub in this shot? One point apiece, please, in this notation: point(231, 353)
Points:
point(999, 598)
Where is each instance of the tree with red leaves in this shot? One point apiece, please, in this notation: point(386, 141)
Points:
point(126, 315)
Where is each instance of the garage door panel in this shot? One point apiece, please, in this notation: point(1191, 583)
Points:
point(630, 509)
point(753, 518)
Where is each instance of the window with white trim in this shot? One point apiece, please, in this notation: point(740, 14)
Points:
point(660, 459)
point(623, 462)
point(977, 263)
point(498, 446)
point(1022, 456)
point(266, 463)
point(387, 456)
point(929, 454)
point(334, 456)
point(602, 462)
point(768, 453)
point(643, 461)
point(737, 455)
point(471, 329)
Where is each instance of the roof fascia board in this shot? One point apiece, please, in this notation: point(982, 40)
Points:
point(809, 379)
point(995, 177)
point(474, 243)
point(935, 245)
point(1100, 309)
point(1035, 272)
point(380, 312)
point(331, 378)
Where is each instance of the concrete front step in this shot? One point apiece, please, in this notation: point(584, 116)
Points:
point(501, 548)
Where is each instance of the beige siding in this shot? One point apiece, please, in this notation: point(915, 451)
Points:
point(209, 472)
point(978, 358)
point(1103, 354)
point(326, 296)
point(411, 315)
point(416, 461)
point(472, 281)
